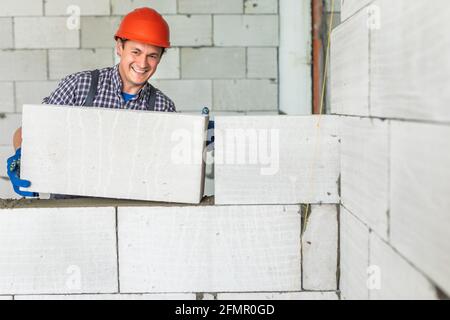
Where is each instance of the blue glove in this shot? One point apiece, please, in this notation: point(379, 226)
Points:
point(13, 169)
point(210, 138)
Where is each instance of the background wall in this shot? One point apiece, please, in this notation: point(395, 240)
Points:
point(224, 54)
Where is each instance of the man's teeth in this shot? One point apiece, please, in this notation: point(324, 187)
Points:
point(139, 71)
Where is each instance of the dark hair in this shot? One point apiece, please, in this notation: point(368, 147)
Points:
point(123, 40)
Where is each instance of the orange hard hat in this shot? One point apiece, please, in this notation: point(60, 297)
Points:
point(145, 25)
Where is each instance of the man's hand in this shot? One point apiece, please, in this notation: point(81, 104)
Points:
point(13, 169)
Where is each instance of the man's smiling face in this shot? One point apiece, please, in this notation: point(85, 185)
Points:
point(138, 62)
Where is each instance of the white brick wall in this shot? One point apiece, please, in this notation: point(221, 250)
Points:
point(23, 65)
point(365, 170)
point(122, 7)
point(6, 97)
point(393, 278)
point(210, 6)
point(260, 6)
point(246, 30)
point(80, 60)
point(6, 36)
point(46, 32)
point(9, 122)
point(87, 7)
point(190, 30)
point(354, 262)
point(276, 160)
point(209, 249)
point(320, 249)
point(32, 92)
point(262, 63)
point(52, 250)
point(21, 8)
point(98, 32)
point(245, 95)
point(207, 63)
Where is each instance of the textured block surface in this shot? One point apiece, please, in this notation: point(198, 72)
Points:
point(320, 249)
point(409, 77)
point(160, 296)
point(23, 65)
point(209, 249)
point(349, 80)
point(276, 160)
point(365, 170)
point(420, 201)
point(112, 153)
point(70, 250)
point(190, 30)
point(393, 278)
point(210, 6)
point(279, 296)
point(354, 260)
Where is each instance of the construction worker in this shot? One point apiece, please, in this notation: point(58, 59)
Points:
point(141, 40)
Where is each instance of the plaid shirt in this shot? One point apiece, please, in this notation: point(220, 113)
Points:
point(73, 90)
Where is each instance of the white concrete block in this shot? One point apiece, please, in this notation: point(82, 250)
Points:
point(245, 95)
point(349, 68)
point(98, 32)
point(33, 92)
point(246, 30)
point(350, 7)
point(122, 7)
point(23, 65)
point(55, 250)
point(420, 184)
point(169, 66)
point(276, 160)
point(190, 30)
point(9, 122)
point(260, 6)
point(84, 7)
point(365, 170)
point(6, 297)
point(163, 164)
point(44, 32)
point(80, 60)
point(188, 95)
point(213, 63)
point(278, 296)
point(210, 6)
point(393, 278)
point(262, 63)
point(6, 97)
point(156, 296)
point(354, 258)
point(320, 249)
point(295, 57)
point(14, 8)
point(209, 249)
point(6, 36)
point(408, 75)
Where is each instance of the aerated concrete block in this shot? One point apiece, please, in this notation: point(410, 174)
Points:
point(54, 250)
point(210, 6)
point(14, 8)
point(160, 296)
point(354, 257)
point(122, 7)
point(320, 249)
point(409, 77)
point(209, 249)
point(304, 295)
point(276, 160)
point(420, 202)
point(393, 278)
point(84, 7)
point(111, 153)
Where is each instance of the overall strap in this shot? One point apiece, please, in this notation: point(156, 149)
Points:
point(92, 89)
point(152, 99)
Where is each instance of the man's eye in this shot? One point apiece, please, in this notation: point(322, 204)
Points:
point(134, 52)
